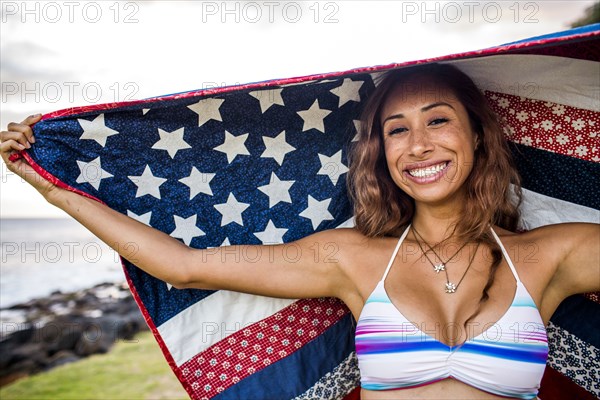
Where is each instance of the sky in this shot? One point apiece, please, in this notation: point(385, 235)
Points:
point(60, 54)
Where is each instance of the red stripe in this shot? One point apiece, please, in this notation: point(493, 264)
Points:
point(556, 386)
point(544, 125)
point(587, 50)
point(354, 394)
point(259, 345)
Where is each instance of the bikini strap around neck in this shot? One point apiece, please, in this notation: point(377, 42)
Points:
point(395, 252)
point(506, 257)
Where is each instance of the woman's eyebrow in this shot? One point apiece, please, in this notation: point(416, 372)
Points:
point(437, 104)
point(423, 109)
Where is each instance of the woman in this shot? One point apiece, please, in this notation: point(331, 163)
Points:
point(442, 310)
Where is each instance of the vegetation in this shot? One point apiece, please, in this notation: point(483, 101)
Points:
point(592, 16)
point(133, 369)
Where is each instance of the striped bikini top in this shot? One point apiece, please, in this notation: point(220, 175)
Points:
point(507, 359)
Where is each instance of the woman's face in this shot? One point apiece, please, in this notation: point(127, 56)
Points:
point(429, 143)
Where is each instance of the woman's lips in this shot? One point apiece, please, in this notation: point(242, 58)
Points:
point(427, 174)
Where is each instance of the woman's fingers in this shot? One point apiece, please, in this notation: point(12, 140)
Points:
point(21, 132)
point(20, 167)
point(16, 136)
point(8, 148)
point(11, 144)
point(21, 129)
point(32, 119)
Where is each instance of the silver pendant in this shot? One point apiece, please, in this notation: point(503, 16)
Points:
point(439, 267)
point(450, 287)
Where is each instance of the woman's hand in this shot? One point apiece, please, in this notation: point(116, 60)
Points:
point(19, 137)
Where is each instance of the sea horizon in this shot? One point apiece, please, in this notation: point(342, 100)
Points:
point(43, 255)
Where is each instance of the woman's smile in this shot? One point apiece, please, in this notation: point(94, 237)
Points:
point(427, 172)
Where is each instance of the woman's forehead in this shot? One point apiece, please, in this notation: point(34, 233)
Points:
point(417, 93)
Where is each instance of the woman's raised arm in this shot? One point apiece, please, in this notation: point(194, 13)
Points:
point(574, 249)
point(306, 268)
point(579, 266)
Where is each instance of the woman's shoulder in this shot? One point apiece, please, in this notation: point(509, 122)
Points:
point(542, 249)
point(353, 248)
point(362, 260)
point(549, 235)
point(351, 235)
point(556, 261)
point(353, 238)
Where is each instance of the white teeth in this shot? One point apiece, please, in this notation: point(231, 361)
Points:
point(429, 171)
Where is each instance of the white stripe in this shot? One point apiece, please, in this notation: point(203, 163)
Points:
point(535, 77)
point(337, 383)
point(574, 358)
point(214, 318)
point(538, 210)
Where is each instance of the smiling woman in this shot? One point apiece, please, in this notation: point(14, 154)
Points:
point(441, 154)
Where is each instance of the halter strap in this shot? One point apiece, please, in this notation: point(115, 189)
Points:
point(395, 252)
point(504, 252)
point(506, 257)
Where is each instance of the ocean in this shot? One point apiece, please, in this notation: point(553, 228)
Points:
point(39, 256)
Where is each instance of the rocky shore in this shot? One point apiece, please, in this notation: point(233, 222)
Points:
point(44, 333)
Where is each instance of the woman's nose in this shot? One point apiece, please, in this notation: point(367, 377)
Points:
point(420, 143)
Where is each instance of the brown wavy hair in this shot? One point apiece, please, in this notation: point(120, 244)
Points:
point(381, 208)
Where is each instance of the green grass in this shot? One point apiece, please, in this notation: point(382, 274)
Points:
point(131, 370)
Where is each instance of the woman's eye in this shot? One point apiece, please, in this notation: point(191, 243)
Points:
point(396, 131)
point(438, 121)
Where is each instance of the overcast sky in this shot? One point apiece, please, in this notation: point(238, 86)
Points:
point(59, 54)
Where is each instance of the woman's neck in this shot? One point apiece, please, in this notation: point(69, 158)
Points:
point(436, 222)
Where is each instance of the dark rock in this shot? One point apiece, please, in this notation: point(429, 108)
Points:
point(67, 340)
point(65, 327)
point(61, 358)
point(97, 337)
point(21, 369)
point(33, 351)
point(21, 336)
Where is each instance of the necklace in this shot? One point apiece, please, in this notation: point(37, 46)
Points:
point(450, 287)
point(442, 265)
